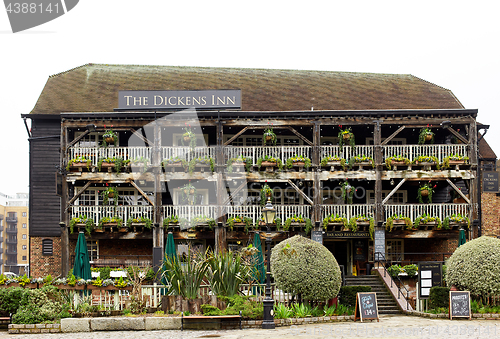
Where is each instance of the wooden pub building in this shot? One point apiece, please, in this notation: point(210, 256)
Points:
point(361, 162)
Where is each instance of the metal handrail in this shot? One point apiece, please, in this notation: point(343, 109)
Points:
point(379, 255)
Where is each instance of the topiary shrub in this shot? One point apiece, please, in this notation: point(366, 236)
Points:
point(347, 294)
point(303, 266)
point(9, 300)
point(474, 267)
point(40, 305)
point(439, 297)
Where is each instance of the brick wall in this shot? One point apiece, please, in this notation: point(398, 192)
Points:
point(490, 204)
point(42, 265)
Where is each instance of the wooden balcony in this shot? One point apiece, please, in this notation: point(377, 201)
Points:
point(414, 151)
point(348, 211)
point(123, 212)
point(442, 211)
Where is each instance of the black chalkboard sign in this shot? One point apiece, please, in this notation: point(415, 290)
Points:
point(366, 306)
point(460, 304)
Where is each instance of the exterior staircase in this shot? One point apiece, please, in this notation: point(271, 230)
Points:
point(385, 302)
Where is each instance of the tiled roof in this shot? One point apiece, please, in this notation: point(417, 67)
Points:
point(485, 151)
point(94, 88)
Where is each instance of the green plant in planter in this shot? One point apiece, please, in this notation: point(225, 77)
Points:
point(175, 160)
point(360, 158)
point(297, 219)
point(425, 219)
point(119, 163)
point(334, 218)
point(426, 134)
point(411, 270)
point(389, 223)
point(278, 162)
point(455, 218)
point(141, 220)
point(353, 223)
point(265, 192)
point(347, 192)
point(427, 158)
point(108, 220)
point(231, 221)
point(188, 193)
point(240, 159)
point(82, 219)
point(140, 160)
point(426, 187)
point(330, 158)
point(109, 137)
point(298, 158)
point(110, 192)
point(269, 137)
point(79, 159)
point(189, 137)
point(346, 136)
point(394, 270)
point(173, 219)
point(203, 220)
point(453, 157)
point(201, 161)
point(397, 158)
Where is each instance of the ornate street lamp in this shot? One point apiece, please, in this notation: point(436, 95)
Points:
point(268, 213)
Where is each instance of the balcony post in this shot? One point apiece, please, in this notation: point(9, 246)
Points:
point(377, 157)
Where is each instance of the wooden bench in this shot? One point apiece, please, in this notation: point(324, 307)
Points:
point(5, 320)
point(217, 321)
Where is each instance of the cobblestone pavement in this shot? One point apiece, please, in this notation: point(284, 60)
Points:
point(388, 327)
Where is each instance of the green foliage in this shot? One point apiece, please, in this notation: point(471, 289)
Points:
point(173, 219)
point(226, 272)
point(141, 220)
point(455, 218)
point(204, 161)
point(453, 157)
point(240, 159)
point(188, 137)
point(334, 219)
point(427, 187)
point(347, 192)
point(269, 137)
point(302, 310)
point(389, 223)
point(278, 162)
point(108, 220)
point(303, 266)
point(347, 294)
point(397, 158)
point(353, 223)
point(231, 221)
point(281, 311)
point(298, 158)
point(329, 158)
point(109, 134)
point(41, 305)
point(265, 192)
point(140, 160)
point(10, 299)
point(474, 267)
point(119, 163)
point(104, 272)
point(343, 140)
point(424, 132)
point(82, 219)
point(394, 270)
point(298, 219)
point(411, 270)
point(175, 160)
point(249, 309)
point(108, 193)
point(439, 297)
point(79, 159)
point(427, 158)
point(425, 219)
point(360, 158)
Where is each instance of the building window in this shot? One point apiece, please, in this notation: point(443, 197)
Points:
point(93, 249)
point(394, 250)
point(25, 214)
point(25, 247)
point(47, 247)
point(24, 258)
point(399, 197)
point(25, 236)
point(25, 226)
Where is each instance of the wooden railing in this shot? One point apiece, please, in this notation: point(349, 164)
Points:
point(346, 152)
point(348, 211)
point(188, 153)
point(414, 151)
point(123, 212)
point(95, 153)
point(256, 152)
point(412, 211)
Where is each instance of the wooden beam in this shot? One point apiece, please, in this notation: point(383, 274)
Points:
point(300, 136)
point(87, 184)
point(141, 136)
point(458, 191)
point(76, 140)
point(235, 136)
point(300, 192)
point(393, 135)
point(236, 191)
point(393, 191)
point(460, 137)
point(142, 192)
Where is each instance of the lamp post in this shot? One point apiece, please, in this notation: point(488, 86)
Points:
point(268, 212)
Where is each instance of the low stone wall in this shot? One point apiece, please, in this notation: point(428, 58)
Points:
point(34, 328)
point(475, 316)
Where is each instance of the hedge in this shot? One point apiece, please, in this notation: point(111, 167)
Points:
point(439, 297)
point(347, 294)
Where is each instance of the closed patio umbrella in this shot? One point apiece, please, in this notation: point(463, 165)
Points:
point(170, 252)
point(461, 237)
point(81, 269)
point(258, 259)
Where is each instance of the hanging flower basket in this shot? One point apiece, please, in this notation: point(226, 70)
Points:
point(424, 192)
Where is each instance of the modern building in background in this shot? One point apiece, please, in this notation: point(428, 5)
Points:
point(188, 188)
point(14, 233)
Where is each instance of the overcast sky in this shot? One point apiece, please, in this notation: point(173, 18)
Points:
point(453, 44)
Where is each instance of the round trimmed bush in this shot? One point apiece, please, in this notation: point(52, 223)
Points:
point(474, 267)
point(303, 266)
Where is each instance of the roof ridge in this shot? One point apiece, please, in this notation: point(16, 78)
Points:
point(70, 70)
point(446, 89)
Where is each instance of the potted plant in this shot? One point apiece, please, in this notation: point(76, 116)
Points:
point(269, 162)
point(427, 160)
point(425, 191)
point(188, 193)
point(171, 220)
point(203, 220)
point(109, 137)
point(396, 160)
point(139, 163)
point(110, 192)
point(455, 219)
point(401, 220)
point(362, 220)
point(109, 222)
point(175, 162)
point(202, 162)
point(109, 163)
point(239, 221)
point(79, 162)
point(332, 161)
point(347, 192)
point(298, 221)
point(298, 160)
point(84, 221)
point(238, 163)
point(335, 220)
point(361, 160)
point(140, 221)
point(425, 135)
point(265, 193)
point(269, 137)
point(454, 159)
point(425, 221)
point(346, 136)
point(188, 138)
